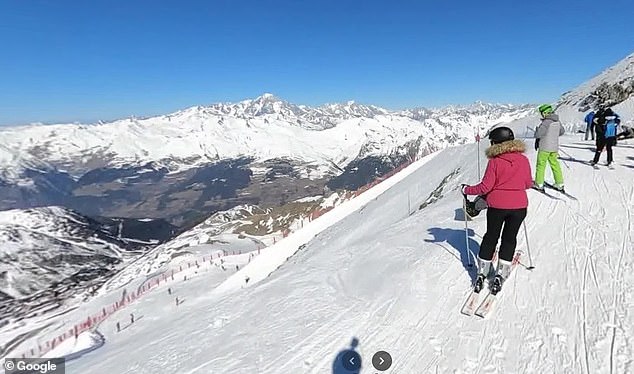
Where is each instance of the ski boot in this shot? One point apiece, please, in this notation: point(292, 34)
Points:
point(538, 187)
point(503, 272)
point(496, 286)
point(479, 283)
point(484, 271)
point(560, 188)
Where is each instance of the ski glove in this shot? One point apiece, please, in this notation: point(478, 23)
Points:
point(462, 187)
point(537, 144)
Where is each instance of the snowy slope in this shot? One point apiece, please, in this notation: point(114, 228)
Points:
point(614, 87)
point(49, 256)
point(395, 277)
point(36, 241)
point(603, 86)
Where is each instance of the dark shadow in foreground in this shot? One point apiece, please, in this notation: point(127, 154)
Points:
point(586, 147)
point(354, 367)
point(568, 159)
point(456, 239)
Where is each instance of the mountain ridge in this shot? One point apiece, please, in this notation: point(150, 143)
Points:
point(203, 134)
point(262, 105)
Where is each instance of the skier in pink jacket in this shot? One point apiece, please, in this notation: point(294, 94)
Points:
point(504, 184)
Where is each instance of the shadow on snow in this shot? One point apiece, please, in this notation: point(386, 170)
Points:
point(456, 239)
point(344, 355)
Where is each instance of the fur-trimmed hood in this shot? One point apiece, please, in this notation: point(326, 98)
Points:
point(506, 147)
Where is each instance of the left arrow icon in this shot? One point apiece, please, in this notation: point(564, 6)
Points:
point(351, 360)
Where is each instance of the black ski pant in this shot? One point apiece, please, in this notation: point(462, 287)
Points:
point(604, 143)
point(511, 219)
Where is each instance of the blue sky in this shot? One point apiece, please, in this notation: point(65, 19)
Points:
point(63, 61)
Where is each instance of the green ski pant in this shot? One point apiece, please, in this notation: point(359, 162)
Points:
point(551, 158)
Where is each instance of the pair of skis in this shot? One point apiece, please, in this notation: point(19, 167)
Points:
point(596, 166)
point(543, 192)
point(552, 187)
point(483, 308)
point(548, 185)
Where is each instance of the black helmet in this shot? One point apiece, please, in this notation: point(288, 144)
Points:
point(501, 134)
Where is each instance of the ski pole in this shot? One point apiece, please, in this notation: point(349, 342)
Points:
point(566, 153)
point(466, 227)
point(569, 156)
point(565, 164)
point(528, 248)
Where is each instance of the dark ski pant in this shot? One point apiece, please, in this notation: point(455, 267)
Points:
point(604, 143)
point(511, 219)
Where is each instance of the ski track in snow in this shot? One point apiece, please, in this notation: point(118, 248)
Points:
point(396, 281)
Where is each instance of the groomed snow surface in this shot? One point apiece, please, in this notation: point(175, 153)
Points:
point(395, 277)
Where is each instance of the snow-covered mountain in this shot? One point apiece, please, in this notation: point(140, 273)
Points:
point(322, 117)
point(263, 128)
point(187, 165)
point(50, 254)
point(613, 87)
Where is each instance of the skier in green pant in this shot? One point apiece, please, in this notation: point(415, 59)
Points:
point(547, 145)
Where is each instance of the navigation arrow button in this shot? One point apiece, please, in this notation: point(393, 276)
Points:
point(381, 361)
point(351, 360)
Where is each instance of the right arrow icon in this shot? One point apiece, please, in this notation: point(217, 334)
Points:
point(381, 361)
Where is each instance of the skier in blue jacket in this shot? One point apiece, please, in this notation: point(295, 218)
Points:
point(606, 129)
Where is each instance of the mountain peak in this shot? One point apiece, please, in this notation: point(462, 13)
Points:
point(268, 97)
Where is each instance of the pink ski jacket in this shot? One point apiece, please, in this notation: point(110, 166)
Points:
point(506, 178)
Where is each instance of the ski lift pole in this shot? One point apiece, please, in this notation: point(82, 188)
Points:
point(478, 155)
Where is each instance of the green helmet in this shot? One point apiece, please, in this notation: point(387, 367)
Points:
point(545, 109)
